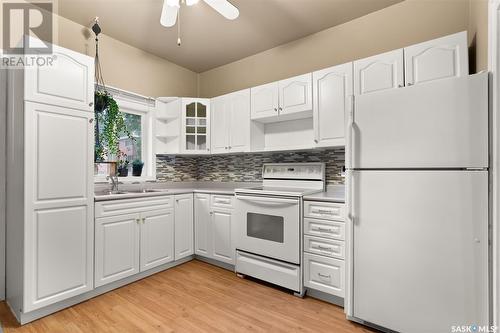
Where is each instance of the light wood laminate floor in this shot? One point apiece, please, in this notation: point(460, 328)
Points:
point(193, 297)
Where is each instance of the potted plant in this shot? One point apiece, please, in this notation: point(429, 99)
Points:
point(122, 168)
point(137, 167)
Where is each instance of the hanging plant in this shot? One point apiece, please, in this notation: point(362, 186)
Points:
point(110, 129)
point(110, 124)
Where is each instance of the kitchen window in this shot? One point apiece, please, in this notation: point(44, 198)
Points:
point(138, 115)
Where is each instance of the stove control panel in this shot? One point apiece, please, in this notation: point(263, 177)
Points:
point(305, 171)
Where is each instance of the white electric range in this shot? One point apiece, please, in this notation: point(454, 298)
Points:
point(268, 222)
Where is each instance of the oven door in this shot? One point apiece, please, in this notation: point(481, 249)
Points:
point(268, 226)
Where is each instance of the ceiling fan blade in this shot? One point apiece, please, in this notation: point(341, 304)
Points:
point(225, 8)
point(168, 14)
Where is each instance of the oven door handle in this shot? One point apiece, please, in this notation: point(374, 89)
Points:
point(268, 201)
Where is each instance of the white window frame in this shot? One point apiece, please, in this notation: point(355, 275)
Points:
point(143, 106)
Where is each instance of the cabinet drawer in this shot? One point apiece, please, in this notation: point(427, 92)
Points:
point(324, 228)
point(129, 206)
point(324, 274)
point(224, 201)
point(324, 210)
point(325, 247)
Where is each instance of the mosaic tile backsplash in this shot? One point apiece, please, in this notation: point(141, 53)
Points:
point(244, 167)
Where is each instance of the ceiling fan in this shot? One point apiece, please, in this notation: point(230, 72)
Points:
point(170, 11)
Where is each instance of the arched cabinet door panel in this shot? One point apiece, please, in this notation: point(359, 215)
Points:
point(440, 58)
point(332, 91)
point(68, 81)
point(378, 73)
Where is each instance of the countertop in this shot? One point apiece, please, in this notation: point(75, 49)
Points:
point(333, 193)
point(132, 191)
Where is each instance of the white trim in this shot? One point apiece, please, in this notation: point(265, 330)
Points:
point(494, 67)
point(143, 106)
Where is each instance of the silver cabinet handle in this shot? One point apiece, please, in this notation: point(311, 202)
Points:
point(280, 108)
point(324, 276)
point(143, 220)
point(91, 120)
point(323, 229)
point(326, 248)
point(137, 221)
point(410, 84)
point(211, 213)
point(325, 211)
point(316, 141)
point(276, 109)
point(91, 104)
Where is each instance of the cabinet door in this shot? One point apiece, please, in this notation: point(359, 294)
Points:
point(220, 124)
point(380, 72)
point(157, 238)
point(332, 88)
point(184, 228)
point(116, 248)
point(69, 82)
point(295, 95)
point(60, 259)
point(202, 224)
point(264, 101)
point(239, 129)
point(59, 155)
point(222, 240)
point(437, 59)
point(196, 125)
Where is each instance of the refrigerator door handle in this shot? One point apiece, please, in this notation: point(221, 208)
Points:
point(350, 135)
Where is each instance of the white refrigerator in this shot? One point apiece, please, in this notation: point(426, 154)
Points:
point(417, 200)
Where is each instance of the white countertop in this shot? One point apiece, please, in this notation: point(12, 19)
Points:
point(333, 193)
point(169, 188)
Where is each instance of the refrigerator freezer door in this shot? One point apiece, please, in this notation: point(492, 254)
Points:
point(420, 249)
point(441, 124)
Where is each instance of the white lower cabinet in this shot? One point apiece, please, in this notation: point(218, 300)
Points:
point(117, 241)
point(213, 227)
point(157, 238)
point(184, 228)
point(324, 274)
point(222, 248)
point(324, 247)
point(126, 244)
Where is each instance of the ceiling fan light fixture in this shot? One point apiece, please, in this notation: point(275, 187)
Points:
point(173, 3)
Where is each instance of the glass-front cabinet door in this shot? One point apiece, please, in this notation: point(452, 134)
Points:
point(195, 126)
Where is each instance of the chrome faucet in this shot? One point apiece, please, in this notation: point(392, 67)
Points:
point(114, 183)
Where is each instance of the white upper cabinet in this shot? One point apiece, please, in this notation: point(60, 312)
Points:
point(239, 130)
point(184, 228)
point(288, 99)
point(332, 90)
point(295, 96)
point(69, 82)
point(265, 101)
point(220, 124)
point(440, 58)
point(231, 123)
point(157, 238)
point(380, 72)
point(195, 126)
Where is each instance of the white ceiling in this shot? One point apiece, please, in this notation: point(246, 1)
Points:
point(208, 39)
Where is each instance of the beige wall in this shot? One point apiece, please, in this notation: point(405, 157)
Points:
point(406, 23)
point(478, 33)
point(127, 67)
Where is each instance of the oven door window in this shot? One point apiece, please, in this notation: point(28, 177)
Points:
point(267, 227)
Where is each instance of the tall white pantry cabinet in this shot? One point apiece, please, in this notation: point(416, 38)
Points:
point(50, 219)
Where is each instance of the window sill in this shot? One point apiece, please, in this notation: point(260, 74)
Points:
point(125, 180)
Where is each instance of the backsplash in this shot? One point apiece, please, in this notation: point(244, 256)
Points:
point(244, 167)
